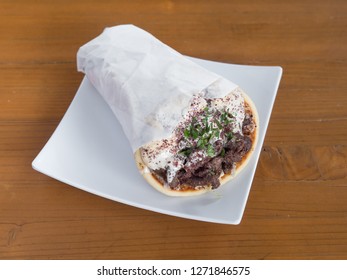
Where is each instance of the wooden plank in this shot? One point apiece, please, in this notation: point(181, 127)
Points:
point(297, 204)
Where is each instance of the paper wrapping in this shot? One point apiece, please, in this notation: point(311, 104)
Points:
point(147, 84)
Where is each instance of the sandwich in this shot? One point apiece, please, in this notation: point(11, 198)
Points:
point(190, 129)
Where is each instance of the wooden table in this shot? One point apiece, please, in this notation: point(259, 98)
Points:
point(297, 208)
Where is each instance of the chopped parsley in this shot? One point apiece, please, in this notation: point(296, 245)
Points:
point(205, 129)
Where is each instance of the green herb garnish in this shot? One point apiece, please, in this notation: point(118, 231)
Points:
point(218, 124)
point(186, 151)
point(230, 136)
point(205, 128)
point(195, 133)
point(210, 151)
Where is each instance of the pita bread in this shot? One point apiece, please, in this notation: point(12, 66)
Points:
point(156, 182)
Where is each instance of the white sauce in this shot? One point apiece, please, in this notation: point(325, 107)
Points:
point(235, 103)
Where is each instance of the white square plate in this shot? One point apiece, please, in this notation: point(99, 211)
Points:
point(89, 151)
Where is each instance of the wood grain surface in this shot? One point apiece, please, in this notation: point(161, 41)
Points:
point(297, 208)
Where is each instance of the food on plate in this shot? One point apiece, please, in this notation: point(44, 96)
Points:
point(190, 129)
point(210, 145)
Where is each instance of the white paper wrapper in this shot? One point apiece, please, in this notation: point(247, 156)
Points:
point(147, 84)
